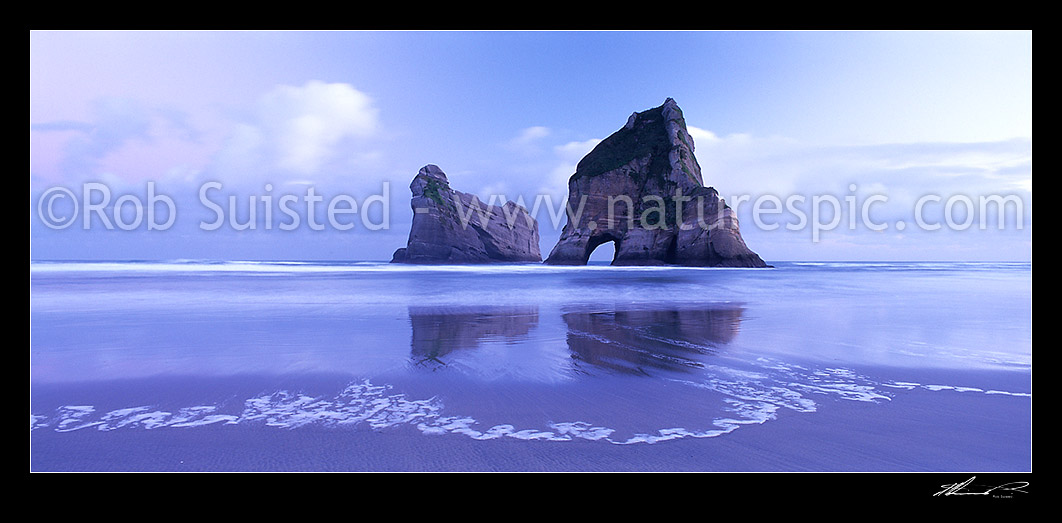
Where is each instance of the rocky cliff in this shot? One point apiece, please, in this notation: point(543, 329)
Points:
point(454, 227)
point(642, 189)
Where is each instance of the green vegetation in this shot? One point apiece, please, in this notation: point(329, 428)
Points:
point(435, 190)
point(682, 135)
point(648, 137)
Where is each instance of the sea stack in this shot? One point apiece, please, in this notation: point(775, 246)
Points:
point(641, 188)
point(452, 227)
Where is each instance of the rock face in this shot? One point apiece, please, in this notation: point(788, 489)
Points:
point(642, 189)
point(452, 227)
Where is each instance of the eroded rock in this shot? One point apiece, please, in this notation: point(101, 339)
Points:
point(452, 227)
point(642, 188)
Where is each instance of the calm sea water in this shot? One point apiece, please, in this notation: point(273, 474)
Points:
point(637, 355)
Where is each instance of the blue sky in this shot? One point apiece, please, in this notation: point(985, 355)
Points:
point(900, 115)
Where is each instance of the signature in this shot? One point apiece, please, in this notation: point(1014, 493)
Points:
point(1004, 490)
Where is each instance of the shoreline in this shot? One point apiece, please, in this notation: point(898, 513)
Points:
point(918, 430)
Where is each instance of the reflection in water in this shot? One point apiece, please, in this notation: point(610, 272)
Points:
point(636, 341)
point(438, 331)
point(630, 341)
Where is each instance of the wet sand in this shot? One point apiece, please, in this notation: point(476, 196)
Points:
point(917, 431)
point(199, 371)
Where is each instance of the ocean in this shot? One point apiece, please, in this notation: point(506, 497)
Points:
point(367, 366)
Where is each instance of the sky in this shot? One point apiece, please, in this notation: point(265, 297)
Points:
point(877, 145)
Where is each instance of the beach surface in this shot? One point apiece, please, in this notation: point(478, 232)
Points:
point(301, 367)
point(917, 430)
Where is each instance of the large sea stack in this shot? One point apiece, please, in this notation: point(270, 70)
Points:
point(642, 189)
point(452, 227)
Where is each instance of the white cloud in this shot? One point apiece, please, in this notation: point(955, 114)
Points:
point(904, 173)
point(123, 137)
point(568, 156)
point(527, 141)
point(701, 136)
point(318, 131)
point(572, 152)
point(294, 132)
point(241, 153)
point(305, 124)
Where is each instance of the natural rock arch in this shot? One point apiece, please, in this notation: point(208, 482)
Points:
point(599, 241)
point(670, 216)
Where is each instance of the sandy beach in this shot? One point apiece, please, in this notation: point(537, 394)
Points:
point(918, 430)
point(368, 368)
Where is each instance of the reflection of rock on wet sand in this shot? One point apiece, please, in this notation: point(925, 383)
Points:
point(637, 341)
point(634, 341)
point(438, 331)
